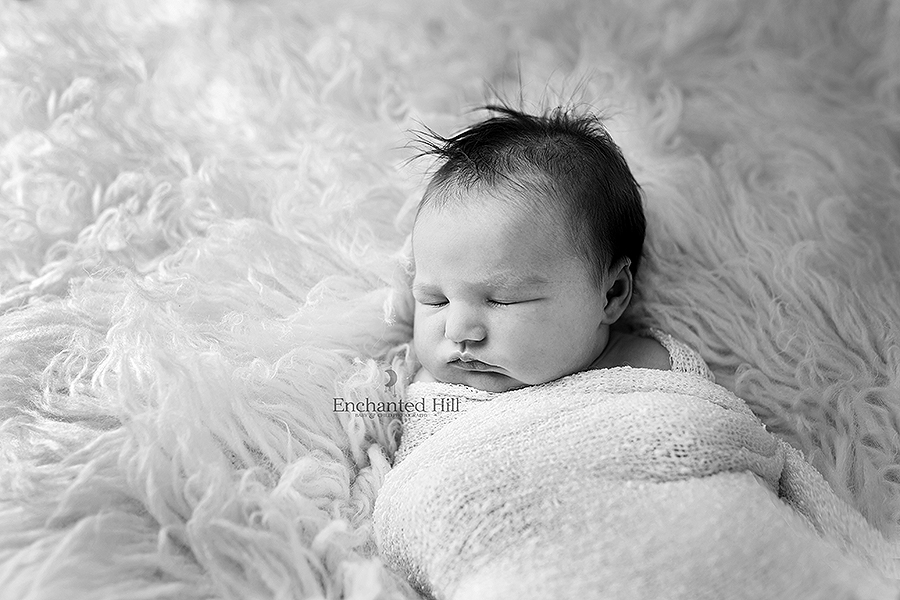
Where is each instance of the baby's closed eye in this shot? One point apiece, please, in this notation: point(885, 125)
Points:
point(432, 302)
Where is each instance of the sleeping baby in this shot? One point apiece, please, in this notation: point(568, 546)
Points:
point(525, 249)
point(581, 461)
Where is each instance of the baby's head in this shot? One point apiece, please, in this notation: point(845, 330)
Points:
point(525, 246)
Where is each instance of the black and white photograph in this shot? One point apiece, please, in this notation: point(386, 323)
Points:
point(449, 300)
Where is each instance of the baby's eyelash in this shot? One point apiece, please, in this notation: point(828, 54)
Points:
point(438, 303)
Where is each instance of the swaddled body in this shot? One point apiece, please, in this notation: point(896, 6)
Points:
point(585, 462)
point(617, 483)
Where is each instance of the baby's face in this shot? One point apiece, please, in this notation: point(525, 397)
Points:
point(500, 303)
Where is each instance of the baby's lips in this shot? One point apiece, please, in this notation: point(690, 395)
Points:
point(474, 366)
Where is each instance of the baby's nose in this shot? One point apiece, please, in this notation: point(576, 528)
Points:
point(464, 325)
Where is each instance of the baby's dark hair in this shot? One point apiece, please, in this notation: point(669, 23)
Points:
point(569, 160)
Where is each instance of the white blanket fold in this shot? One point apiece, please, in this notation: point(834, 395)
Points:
point(618, 483)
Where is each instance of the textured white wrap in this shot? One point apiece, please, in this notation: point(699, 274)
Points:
point(620, 483)
point(419, 425)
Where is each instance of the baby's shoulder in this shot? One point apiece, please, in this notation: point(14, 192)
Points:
point(628, 350)
point(649, 352)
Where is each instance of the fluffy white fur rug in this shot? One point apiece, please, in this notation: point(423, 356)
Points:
point(202, 203)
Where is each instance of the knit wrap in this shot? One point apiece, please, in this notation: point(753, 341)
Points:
point(420, 424)
point(603, 479)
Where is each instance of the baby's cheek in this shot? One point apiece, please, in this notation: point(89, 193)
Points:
point(529, 363)
point(423, 337)
point(546, 359)
point(418, 342)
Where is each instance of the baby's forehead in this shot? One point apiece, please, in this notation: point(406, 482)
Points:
point(508, 221)
point(519, 199)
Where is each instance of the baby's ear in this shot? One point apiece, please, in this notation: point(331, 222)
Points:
point(618, 289)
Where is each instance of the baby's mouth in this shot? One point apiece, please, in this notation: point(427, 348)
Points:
point(472, 365)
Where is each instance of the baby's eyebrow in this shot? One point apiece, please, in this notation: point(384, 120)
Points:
point(502, 280)
point(425, 288)
point(514, 279)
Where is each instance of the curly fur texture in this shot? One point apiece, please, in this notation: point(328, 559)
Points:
point(202, 202)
